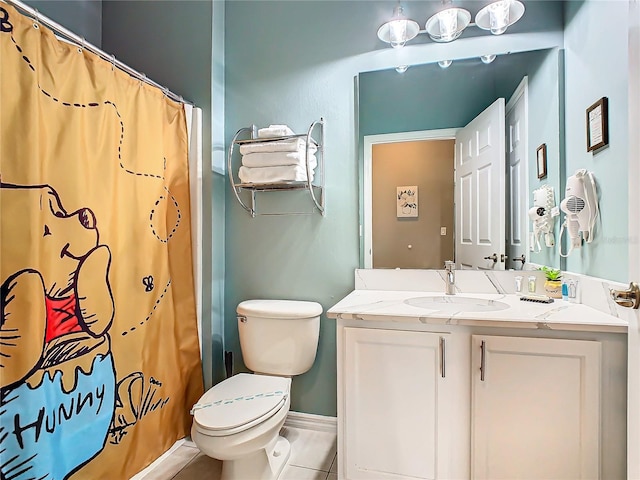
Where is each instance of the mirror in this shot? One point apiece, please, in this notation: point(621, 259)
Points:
point(432, 104)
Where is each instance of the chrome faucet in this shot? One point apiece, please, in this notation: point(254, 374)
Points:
point(450, 277)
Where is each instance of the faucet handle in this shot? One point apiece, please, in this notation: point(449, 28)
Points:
point(450, 277)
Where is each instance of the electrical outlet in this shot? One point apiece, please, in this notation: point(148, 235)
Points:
point(443, 230)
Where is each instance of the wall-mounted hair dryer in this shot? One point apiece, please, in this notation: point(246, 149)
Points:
point(542, 216)
point(581, 208)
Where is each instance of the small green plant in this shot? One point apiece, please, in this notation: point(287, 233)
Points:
point(552, 274)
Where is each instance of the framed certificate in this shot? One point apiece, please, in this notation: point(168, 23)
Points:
point(541, 160)
point(597, 125)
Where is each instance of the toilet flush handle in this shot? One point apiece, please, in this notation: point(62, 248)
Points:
point(242, 318)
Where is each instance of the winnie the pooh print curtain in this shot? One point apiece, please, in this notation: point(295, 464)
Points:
point(99, 355)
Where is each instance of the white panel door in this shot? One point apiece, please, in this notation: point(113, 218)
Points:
point(633, 373)
point(535, 409)
point(517, 171)
point(395, 397)
point(480, 190)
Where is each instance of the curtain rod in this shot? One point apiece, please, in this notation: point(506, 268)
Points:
point(81, 42)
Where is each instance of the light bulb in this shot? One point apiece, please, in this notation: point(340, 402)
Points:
point(447, 25)
point(398, 33)
point(445, 63)
point(448, 21)
point(499, 16)
point(488, 58)
point(399, 30)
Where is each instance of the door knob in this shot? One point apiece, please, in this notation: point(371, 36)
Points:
point(627, 298)
point(493, 257)
point(520, 259)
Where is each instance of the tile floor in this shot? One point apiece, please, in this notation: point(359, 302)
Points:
point(313, 457)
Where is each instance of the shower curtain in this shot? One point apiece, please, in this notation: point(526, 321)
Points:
point(99, 354)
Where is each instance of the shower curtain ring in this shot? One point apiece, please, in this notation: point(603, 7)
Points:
point(143, 78)
point(37, 19)
point(113, 62)
point(82, 45)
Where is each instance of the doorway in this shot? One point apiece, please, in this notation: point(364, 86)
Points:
point(369, 142)
point(413, 204)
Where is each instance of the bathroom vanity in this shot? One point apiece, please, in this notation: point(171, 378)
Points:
point(476, 385)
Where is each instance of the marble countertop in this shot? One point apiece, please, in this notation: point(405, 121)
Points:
point(391, 305)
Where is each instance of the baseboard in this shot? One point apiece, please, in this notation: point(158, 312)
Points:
point(310, 421)
point(188, 442)
point(140, 475)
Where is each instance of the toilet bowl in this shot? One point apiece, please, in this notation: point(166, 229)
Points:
point(238, 420)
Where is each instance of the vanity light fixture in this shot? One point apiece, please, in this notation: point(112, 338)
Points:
point(445, 63)
point(447, 24)
point(399, 30)
point(402, 68)
point(498, 16)
point(487, 59)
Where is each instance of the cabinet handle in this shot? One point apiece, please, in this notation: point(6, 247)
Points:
point(443, 355)
point(483, 366)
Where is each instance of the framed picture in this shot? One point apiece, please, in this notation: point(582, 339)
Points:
point(598, 125)
point(407, 198)
point(541, 160)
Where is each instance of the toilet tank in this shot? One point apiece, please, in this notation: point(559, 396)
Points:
point(279, 337)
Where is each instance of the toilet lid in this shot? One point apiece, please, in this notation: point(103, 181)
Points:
point(240, 400)
point(283, 309)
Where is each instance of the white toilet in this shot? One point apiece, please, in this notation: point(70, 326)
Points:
point(238, 421)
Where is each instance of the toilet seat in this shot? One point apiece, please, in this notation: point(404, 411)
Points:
point(240, 402)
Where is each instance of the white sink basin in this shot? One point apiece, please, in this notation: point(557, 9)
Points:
point(455, 303)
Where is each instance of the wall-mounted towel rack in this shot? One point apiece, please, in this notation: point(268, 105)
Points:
point(314, 184)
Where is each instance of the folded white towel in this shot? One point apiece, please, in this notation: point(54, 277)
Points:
point(275, 159)
point(275, 131)
point(290, 145)
point(288, 173)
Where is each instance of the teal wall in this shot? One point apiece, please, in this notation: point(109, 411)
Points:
point(427, 97)
point(216, 220)
point(597, 66)
point(288, 63)
point(546, 125)
point(81, 17)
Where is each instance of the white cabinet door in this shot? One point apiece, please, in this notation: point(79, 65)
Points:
point(395, 394)
point(536, 408)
